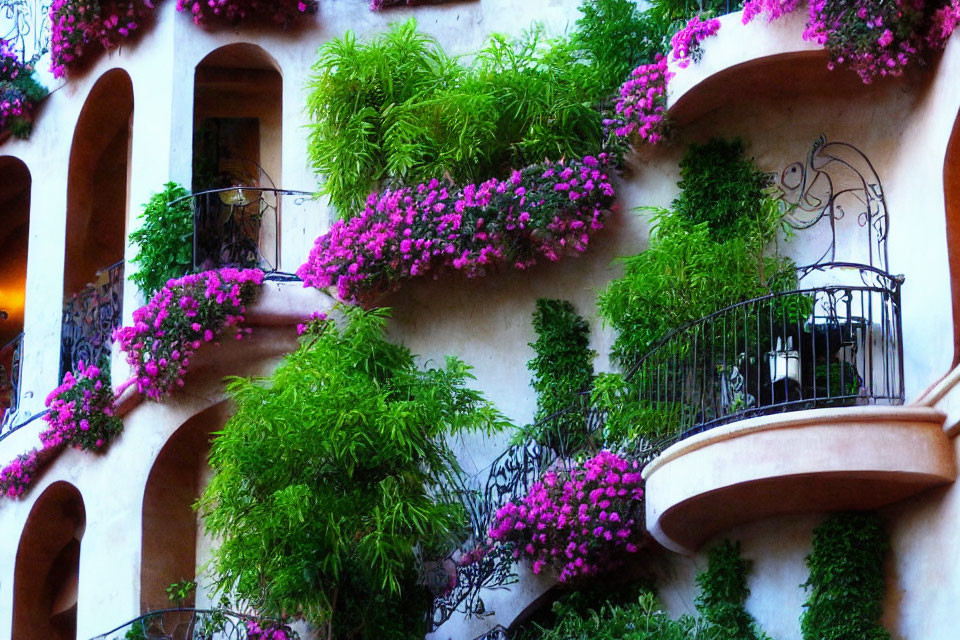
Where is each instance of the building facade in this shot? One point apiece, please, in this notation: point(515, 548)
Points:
point(873, 171)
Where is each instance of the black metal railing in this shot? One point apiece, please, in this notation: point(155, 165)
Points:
point(11, 367)
point(184, 624)
point(240, 226)
point(833, 343)
point(26, 26)
point(89, 319)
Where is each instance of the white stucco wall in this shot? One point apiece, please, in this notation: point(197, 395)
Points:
point(901, 125)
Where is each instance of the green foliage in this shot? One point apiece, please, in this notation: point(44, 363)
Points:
point(719, 185)
point(644, 619)
point(562, 368)
point(325, 480)
point(723, 591)
point(180, 592)
point(164, 240)
point(687, 274)
point(399, 110)
point(629, 420)
point(846, 579)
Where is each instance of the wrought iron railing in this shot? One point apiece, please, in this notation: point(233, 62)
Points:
point(836, 342)
point(184, 624)
point(26, 25)
point(240, 226)
point(11, 366)
point(89, 319)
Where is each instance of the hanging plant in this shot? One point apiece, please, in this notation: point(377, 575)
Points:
point(184, 314)
point(232, 12)
point(581, 522)
point(81, 28)
point(544, 211)
point(875, 38)
point(81, 411)
point(685, 44)
point(640, 110)
point(19, 92)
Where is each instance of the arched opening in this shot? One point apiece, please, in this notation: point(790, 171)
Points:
point(97, 197)
point(951, 194)
point(173, 543)
point(237, 142)
point(14, 238)
point(46, 576)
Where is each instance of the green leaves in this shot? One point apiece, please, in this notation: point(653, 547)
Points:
point(325, 479)
point(846, 581)
point(562, 368)
point(723, 592)
point(165, 240)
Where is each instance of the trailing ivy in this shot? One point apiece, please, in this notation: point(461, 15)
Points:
point(324, 480)
point(562, 368)
point(707, 254)
point(719, 185)
point(846, 582)
point(164, 239)
point(723, 592)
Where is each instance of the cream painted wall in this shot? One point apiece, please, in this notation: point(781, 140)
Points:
point(902, 125)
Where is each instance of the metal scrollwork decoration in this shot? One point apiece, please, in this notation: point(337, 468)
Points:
point(11, 365)
point(25, 25)
point(837, 180)
point(90, 318)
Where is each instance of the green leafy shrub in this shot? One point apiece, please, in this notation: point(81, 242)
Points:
point(630, 421)
point(719, 185)
point(324, 480)
point(562, 368)
point(644, 619)
point(723, 591)
point(165, 240)
point(846, 579)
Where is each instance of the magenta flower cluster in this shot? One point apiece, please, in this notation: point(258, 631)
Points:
point(685, 44)
point(14, 74)
point(79, 28)
point(875, 38)
point(184, 314)
point(17, 475)
point(580, 522)
point(263, 630)
point(81, 411)
point(772, 9)
point(544, 211)
point(280, 12)
point(640, 110)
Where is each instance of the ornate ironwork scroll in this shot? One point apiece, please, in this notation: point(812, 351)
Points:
point(240, 226)
point(89, 319)
point(837, 180)
point(189, 624)
point(25, 25)
point(499, 632)
point(11, 366)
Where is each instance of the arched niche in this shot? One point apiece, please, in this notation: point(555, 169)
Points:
point(951, 193)
point(14, 238)
point(173, 544)
point(97, 191)
point(46, 576)
point(237, 118)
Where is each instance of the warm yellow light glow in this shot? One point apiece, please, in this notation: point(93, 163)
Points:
point(12, 301)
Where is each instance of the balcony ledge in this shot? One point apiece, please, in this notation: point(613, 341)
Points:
point(807, 461)
point(753, 61)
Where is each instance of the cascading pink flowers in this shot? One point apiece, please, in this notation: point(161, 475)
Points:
point(875, 38)
point(261, 630)
point(580, 522)
point(544, 211)
point(79, 28)
point(640, 110)
point(280, 12)
point(81, 411)
point(685, 44)
point(184, 314)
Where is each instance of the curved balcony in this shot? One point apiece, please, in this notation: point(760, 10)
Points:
point(241, 227)
point(752, 61)
point(184, 623)
point(771, 398)
point(90, 318)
